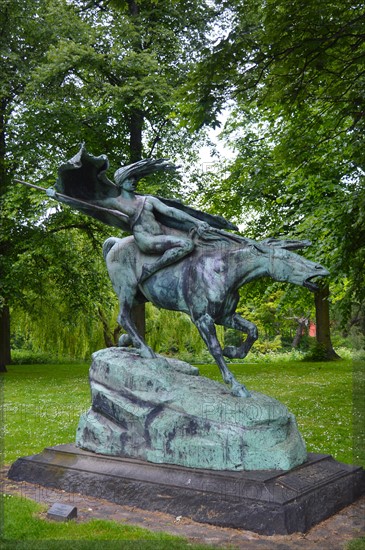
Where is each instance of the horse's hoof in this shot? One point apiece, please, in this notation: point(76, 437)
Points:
point(147, 353)
point(230, 352)
point(240, 390)
point(124, 341)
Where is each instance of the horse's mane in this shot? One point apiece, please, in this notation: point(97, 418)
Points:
point(217, 239)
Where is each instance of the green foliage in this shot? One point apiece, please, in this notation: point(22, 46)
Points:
point(59, 286)
point(100, 68)
point(29, 357)
point(172, 332)
point(99, 71)
point(293, 74)
point(268, 346)
point(282, 55)
point(276, 311)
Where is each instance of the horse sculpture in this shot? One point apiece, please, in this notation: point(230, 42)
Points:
point(205, 286)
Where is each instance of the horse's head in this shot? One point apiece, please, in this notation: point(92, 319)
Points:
point(283, 265)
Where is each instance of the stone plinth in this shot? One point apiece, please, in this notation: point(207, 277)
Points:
point(267, 502)
point(160, 410)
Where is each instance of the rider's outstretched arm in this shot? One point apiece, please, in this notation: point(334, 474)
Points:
point(175, 213)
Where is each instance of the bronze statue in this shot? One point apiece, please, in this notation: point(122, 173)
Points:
point(178, 258)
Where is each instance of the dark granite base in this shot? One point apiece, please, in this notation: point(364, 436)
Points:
point(267, 502)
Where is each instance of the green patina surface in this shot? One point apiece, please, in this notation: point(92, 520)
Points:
point(162, 411)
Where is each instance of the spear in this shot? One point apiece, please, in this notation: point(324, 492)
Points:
point(77, 201)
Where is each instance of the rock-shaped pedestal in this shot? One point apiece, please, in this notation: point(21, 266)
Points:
point(162, 411)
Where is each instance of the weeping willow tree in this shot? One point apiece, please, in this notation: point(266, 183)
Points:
point(55, 332)
point(64, 294)
point(76, 339)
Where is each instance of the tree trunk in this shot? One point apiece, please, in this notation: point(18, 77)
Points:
point(302, 325)
point(323, 335)
point(139, 317)
point(135, 135)
point(5, 354)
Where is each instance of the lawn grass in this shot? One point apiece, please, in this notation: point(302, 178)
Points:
point(25, 521)
point(357, 544)
point(42, 406)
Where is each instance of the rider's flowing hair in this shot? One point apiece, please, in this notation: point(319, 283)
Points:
point(141, 169)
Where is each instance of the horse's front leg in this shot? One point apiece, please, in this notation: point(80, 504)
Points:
point(206, 327)
point(239, 323)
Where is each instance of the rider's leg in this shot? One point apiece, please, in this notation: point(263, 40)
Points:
point(169, 257)
point(172, 249)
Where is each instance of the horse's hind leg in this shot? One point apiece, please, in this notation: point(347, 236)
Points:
point(126, 321)
point(239, 323)
point(120, 257)
point(206, 327)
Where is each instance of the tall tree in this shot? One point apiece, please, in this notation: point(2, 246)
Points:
point(22, 47)
point(295, 72)
point(101, 72)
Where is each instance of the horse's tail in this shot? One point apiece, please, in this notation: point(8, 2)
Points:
point(108, 245)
